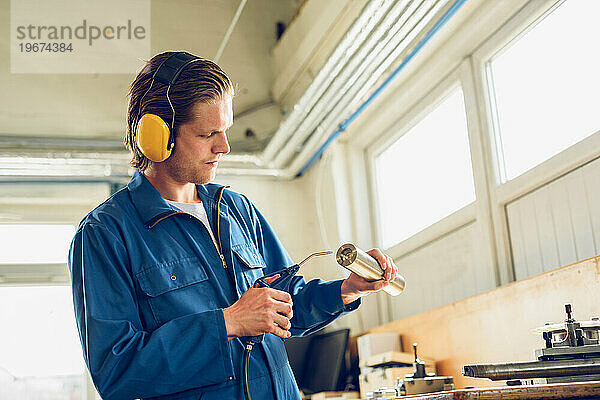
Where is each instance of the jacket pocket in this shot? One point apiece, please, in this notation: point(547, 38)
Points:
point(251, 263)
point(177, 288)
point(171, 275)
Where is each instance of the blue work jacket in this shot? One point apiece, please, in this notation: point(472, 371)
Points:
point(149, 288)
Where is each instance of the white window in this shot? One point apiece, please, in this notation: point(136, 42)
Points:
point(40, 351)
point(545, 87)
point(41, 354)
point(35, 244)
point(426, 174)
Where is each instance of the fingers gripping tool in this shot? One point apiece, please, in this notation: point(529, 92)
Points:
point(282, 283)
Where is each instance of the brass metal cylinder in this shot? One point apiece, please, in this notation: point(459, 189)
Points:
point(355, 260)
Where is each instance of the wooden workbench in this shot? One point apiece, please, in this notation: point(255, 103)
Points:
point(496, 326)
point(580, 390)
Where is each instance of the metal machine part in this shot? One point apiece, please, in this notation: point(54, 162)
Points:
point(570, 338)
point(571, 354)
point(429, 384)
point(383, 394)
point(421, 382)
point(419, 366)
point(533, 369)
point(355, 260)
point(418, 382)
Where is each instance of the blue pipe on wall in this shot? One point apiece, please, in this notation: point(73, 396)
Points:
point(344, 125)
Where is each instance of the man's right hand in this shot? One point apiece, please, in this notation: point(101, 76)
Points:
point(258, 311)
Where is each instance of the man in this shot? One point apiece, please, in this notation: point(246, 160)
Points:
point(163, 271)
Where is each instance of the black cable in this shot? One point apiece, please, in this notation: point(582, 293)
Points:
point(281, 283)
point(246, 367)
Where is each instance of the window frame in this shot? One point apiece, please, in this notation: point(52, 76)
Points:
point(462, 57)
point(35, 274)
point(565, 161)
point(50, 274)
point(502, 193)
point(418, 110)
point(89, 391)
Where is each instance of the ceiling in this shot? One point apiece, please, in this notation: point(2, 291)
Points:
point(295, 94)
point(93, 106)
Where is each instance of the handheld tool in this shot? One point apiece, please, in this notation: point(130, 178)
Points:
point(281, 283)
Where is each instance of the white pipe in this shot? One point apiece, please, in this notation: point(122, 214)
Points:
point(359, 30)
point(395, 22)
point(355, 66)
point(229, 31)
point(356, 93)
point(242, 159)
point(266, 172)
point(398, 24)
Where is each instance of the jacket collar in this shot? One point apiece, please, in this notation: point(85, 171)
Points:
point(152, 206)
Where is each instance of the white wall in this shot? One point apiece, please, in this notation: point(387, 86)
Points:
point(443, 271)
point(290, 210)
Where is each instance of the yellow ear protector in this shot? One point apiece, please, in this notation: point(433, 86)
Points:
point(154, 136)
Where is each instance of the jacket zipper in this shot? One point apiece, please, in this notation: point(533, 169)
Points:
point(217, 200)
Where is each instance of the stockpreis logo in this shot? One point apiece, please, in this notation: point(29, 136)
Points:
point(79, 36)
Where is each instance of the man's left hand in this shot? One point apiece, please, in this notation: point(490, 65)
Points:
point(355, 286)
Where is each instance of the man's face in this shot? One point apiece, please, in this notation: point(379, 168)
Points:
point(201, 142)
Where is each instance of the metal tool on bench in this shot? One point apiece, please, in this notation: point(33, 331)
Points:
point(423, 382)
point(383, 394)
point(355, 260)
point(571, 354)
point(418, 382)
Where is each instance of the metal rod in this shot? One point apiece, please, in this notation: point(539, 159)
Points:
point(533, 369)
point(362, 264)
point(319, 253)
point(347, 47)
point(229, 30)
point(344, 125)
point(383, 32)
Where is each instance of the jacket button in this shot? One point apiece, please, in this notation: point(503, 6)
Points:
point(173, 277)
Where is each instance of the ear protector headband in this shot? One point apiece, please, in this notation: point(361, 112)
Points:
point(154, 136)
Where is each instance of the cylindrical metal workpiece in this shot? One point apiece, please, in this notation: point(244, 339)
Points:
point(533, 369)
point(354, 259)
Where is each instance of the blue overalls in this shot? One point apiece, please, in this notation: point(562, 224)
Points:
point(149, 287)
